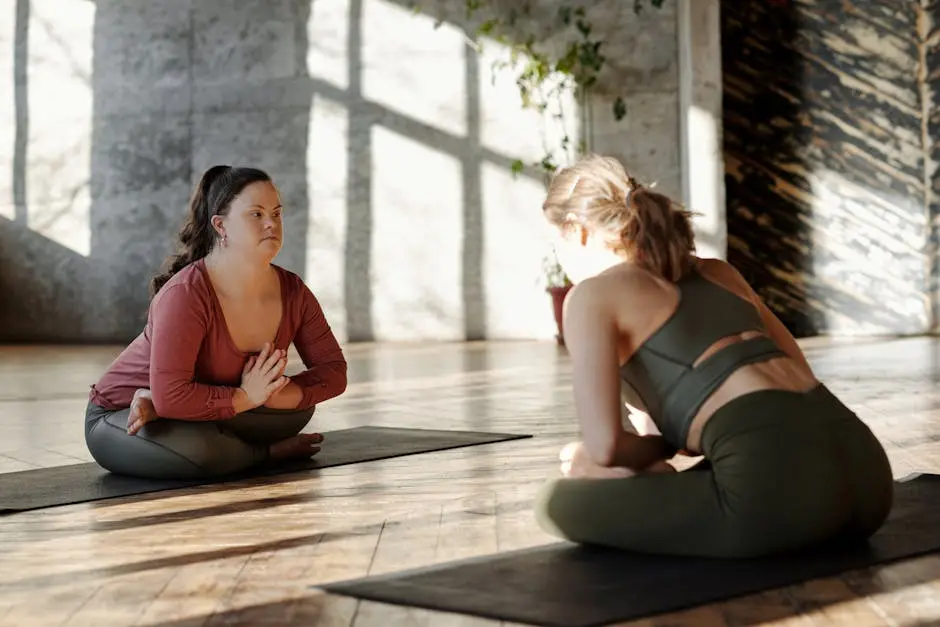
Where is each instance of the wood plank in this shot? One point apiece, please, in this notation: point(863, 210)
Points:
point(251, 553)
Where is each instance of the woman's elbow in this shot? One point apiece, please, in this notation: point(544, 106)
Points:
point(341, 383)
point(162, 402)
point(168, 401)
point(334, 381)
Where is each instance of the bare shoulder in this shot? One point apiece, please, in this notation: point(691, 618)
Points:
point(717, 267)
point(584, 297)
point(603, 294)
point(726, 275)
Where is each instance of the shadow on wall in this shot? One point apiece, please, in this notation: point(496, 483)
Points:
point(420, 259)
point(824, 158)
point(47, 286)
point(101, 186)
point(367, 119)
point(158, 92)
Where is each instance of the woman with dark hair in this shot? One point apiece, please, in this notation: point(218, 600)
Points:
point(786, 464)
point(201, 392)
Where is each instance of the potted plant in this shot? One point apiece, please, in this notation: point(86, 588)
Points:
point(557, 285)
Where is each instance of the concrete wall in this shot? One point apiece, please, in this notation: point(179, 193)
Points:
point(388, 139)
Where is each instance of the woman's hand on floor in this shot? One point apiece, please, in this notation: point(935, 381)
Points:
point(142, 411)
point(576, 463)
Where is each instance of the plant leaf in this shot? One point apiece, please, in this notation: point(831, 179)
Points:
point(620, 108)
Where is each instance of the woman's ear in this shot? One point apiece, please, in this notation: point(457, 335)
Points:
point(217, 225)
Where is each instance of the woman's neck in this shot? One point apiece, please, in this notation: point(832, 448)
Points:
point(237, 276)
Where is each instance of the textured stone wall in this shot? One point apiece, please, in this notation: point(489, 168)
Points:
point(644, 62)
point(830, 152)
point(388, 139)
point(928, 31)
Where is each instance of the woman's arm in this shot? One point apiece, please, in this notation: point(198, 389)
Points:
point(178, 327)
point(591, 336)
point(325, 376)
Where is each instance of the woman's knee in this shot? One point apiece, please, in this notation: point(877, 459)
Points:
point(568, 508)
point(134, 456)
point(549, 509)
point(149, 453)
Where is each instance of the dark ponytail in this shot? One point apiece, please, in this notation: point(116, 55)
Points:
point(218, 187)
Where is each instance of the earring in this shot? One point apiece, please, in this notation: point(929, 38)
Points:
point(224, 240)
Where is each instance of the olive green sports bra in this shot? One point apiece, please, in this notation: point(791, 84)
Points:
point(660, 372)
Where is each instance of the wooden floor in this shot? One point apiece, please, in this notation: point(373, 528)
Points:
point(248, 555)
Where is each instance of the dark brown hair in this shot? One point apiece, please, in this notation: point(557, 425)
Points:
point(648, 227)
point(219, 186)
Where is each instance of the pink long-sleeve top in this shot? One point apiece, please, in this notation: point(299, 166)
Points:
point(187, 358)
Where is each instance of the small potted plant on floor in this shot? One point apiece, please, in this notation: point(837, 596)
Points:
point(557, 285)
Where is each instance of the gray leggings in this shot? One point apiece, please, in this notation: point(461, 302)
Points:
point(178, 449)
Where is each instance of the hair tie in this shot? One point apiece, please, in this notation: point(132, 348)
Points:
point(634, 186)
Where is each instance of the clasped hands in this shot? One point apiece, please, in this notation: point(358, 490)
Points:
point(263, 381)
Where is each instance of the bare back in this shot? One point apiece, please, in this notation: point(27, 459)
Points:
point(642, 303)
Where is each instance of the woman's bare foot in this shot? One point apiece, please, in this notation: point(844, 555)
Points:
point(142, 411)
point(301, 445)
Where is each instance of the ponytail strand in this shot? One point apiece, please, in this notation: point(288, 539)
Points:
point(647, 227)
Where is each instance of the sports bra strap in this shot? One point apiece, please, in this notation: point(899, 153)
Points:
point(697, 384)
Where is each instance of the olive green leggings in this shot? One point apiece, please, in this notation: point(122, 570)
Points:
point(179, 449)
point(782, 471)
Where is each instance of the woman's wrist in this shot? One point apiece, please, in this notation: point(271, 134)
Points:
point(663, 449)
point(241, 402)
point(637, 452)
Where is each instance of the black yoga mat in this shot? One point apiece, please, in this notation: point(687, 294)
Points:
point(79, 483)
point(569, 586)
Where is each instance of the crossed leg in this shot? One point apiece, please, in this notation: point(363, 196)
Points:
point(133, 441)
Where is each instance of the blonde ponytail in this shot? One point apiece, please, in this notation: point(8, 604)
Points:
point(646, 226)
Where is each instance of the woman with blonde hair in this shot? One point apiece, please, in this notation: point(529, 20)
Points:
point(786, 464)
